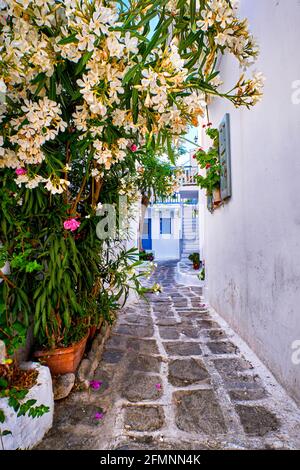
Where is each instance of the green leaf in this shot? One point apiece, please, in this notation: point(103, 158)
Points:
point(52, 89)
point(135, 107)
point(81, 64)
point(155, 40)
point(130, 74)
point(68, 40)
point(3, 382)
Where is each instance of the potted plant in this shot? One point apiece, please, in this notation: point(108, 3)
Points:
point(25, 397)
point(195, 259)
point(146, 256)
point(210, 162)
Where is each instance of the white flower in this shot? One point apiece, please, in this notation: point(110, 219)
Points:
point(207, 20)
point(34, 182)
point(175, 58)
point(99, 209)
point(3, 87)
point(86, 40)
point(224, 16)
point(115, 47)
point(56, 185)
point(119, 117)
point(102, 19)
point(131, 43)
point(224, 38)
point(149, 80)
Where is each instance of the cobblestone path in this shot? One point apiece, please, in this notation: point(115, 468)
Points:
point(174, 376)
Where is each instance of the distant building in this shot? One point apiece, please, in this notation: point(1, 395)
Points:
point(172, 226)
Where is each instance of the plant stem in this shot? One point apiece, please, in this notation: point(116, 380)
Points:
point(5, 279)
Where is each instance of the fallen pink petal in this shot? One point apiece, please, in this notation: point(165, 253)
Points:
point(158, 386)
point(95, 384)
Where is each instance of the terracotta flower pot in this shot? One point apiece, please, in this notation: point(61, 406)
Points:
point(94, 329)
point(217, 197)
point(63, 360)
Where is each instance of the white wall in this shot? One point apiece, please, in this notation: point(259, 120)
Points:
point(253, 242)
point(166, 247)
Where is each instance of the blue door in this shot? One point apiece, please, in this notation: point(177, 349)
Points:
point(146, 239)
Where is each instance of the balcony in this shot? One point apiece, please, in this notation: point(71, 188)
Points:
point(188, 177)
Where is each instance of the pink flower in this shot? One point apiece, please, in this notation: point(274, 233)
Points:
point(99, 415)
point(95, 384)
point(71, 224)
point(133, 148)
point(158, 386)
point(20, 171)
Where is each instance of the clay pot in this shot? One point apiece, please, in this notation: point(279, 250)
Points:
point(94, 329)
point(63, 360)
point(217, 197)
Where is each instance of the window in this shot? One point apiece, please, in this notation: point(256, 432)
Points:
point(165, 226)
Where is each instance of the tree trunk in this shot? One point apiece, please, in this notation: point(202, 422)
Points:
point(145, 203)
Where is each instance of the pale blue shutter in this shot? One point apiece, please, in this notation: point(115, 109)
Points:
point(225, 157)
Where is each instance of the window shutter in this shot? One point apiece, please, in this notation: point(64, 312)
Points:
point(225, 157)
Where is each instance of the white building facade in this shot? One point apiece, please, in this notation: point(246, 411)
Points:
point(252, 242)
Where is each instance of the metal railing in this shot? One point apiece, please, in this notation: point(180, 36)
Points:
point(188, 177)
point(176, 199)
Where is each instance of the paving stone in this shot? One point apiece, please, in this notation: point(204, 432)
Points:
point(257, 420)
point(139, 387)
point(159, 300)
point(116, 342)
point(145, 363)
point(144, 418)
point(231, 367)
point(73, 413)
point(216, 334)
point(137, 320)
point(197, 290)
point(177, 348)
point(180, 304)
point(146, 346)
point(169, 332)
point(223, 348)
point(112, 357)
point(183, 372)
point(164, 314)
point(189, 331)
point(242, 382)
point(195, 304)
point(170, 321)
point(198, 411)
point(192, 315)
point(137, 331)
point(248, 394)
point(207, 324)
point(62, 385)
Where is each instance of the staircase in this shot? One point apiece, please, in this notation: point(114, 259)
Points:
point(190, 241)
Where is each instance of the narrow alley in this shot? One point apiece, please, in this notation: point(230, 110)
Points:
point(174, 376)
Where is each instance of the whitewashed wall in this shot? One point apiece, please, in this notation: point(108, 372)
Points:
point(166, 247)
point(253, 243)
